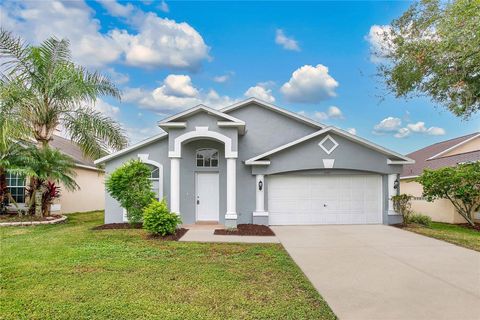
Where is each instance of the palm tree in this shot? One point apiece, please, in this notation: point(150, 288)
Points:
point(50, 91)
point(45, 165)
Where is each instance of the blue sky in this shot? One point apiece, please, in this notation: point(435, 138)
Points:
point(308, 57)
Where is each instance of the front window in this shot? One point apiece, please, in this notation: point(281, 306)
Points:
point(155, 178)
point(16, 187)
point(207, 158)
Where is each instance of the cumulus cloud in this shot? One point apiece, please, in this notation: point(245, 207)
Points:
point(394, 125)
point(380, 42)
point(260, 91)
point(224, 77)
point(117, 77)
point(164, 6)
point(310, 84)
point(106, 108)
point(288, 43)
point(150, 42)
point(332, 112)
point(176, 93)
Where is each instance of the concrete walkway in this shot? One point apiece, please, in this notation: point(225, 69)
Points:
point(206, 235)
point(381, 272)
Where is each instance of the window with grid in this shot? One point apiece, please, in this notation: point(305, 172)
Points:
point(207, 158)
point(16, 187)
point(155, 178)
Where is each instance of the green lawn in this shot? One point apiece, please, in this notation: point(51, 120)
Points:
point(455, 234)
point(69, 271)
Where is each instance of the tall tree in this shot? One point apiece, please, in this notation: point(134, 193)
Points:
point(51, 91)
point(433, 50)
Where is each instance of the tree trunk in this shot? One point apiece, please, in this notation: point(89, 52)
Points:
point(38, 196)
point(3, 189)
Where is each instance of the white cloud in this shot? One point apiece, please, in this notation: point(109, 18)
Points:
point(224, 77)
point(136, 134)
point(352, 131)
point(288, 43)
point(106, 108)
point(388, 124)
point(164, 6)
point(310, 84)
point(175, 94)
point(380, 42)
point(394, 125)
point(154, 41)
point(117, 77)
point(333, 112)
point(261, 92)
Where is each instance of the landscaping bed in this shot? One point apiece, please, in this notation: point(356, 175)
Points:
point(462, 235)
point(246, 230)
point(123, 225)
point(69, 271)
point(172, 237)
point(14, 217)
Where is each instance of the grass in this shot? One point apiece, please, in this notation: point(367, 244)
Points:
point(459, 235)
point(68, 271)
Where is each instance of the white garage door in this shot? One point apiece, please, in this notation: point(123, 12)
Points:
point(336, 199)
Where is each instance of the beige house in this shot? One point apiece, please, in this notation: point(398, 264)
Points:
point(446, 153)
point(90, 196)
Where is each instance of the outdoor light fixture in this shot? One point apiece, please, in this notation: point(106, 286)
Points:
point(260, 185)
point(396, 184)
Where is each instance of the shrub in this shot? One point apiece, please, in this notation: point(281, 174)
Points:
point(420, 219)
point(130, 185)
point(402, 205)
point(157, 219)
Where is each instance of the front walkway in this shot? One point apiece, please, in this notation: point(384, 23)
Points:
point(205, 234)
point(381, 272)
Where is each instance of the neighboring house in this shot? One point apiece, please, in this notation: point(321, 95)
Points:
point(253, 162)
point(443, 154)
point(90, 196)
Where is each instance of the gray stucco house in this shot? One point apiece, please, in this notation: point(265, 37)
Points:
point(253, 162)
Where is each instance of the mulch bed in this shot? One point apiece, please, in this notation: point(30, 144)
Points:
point(466, 225)
point(173, 237)
point(124, 225)
point(246, 230)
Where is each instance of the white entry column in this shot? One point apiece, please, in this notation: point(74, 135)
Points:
point(392, 192)
point(231, 213)
point(175, 185)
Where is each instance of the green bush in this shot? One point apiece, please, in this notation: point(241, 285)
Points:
point(421, 219)
point(402, 205)
point(130, 185)
point(157, 219)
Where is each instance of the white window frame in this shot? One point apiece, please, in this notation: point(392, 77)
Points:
point(203, 159)
point(11, 186)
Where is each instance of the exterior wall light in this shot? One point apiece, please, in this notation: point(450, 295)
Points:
point(260, 185)
point(396, 184)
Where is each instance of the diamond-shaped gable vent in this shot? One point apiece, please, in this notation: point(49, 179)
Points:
point(328, 144)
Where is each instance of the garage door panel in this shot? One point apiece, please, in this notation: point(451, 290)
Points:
point(341, 199)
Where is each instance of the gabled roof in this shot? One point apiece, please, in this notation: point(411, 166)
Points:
point(200, 108)
point(275, 108)
point(257, 160)
point(431, 156)
point(140, 144)
point(71, 149)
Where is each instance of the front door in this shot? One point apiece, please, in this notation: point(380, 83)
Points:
point(207, 196)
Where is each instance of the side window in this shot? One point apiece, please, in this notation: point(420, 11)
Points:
point(155, 178)
point(16, 187)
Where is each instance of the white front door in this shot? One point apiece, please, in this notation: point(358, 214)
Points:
point(207, 196)
point(336, 199)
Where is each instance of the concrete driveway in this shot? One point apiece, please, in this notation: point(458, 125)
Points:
point(381, 272)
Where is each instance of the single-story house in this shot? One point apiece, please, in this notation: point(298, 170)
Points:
point(446, 153)
point(90, 196)
point(253, 162)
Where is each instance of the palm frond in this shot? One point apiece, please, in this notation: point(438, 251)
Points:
point(14, 54)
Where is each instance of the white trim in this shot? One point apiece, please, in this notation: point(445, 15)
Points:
point(202, 132)
point(259, 163)
point(392, 192)
point(274, 108)
point(227, 124)
point(88, 167)
point(408, 177)
point(328, 163)
point(260, 214)
point(175, 185)
point(455, 146)
point(196, 109)
point(371, 145)
point(131, 148)
point(335, 144)
point(389, 161)
point(144, 159)
point(259, 195)
point(173, 125)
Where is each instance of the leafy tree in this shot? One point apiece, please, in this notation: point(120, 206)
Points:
point(48, 90)
point(433, 50)
point(131, 187)
point(460, 185)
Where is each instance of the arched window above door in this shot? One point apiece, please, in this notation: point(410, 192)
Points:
point(207, 158)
